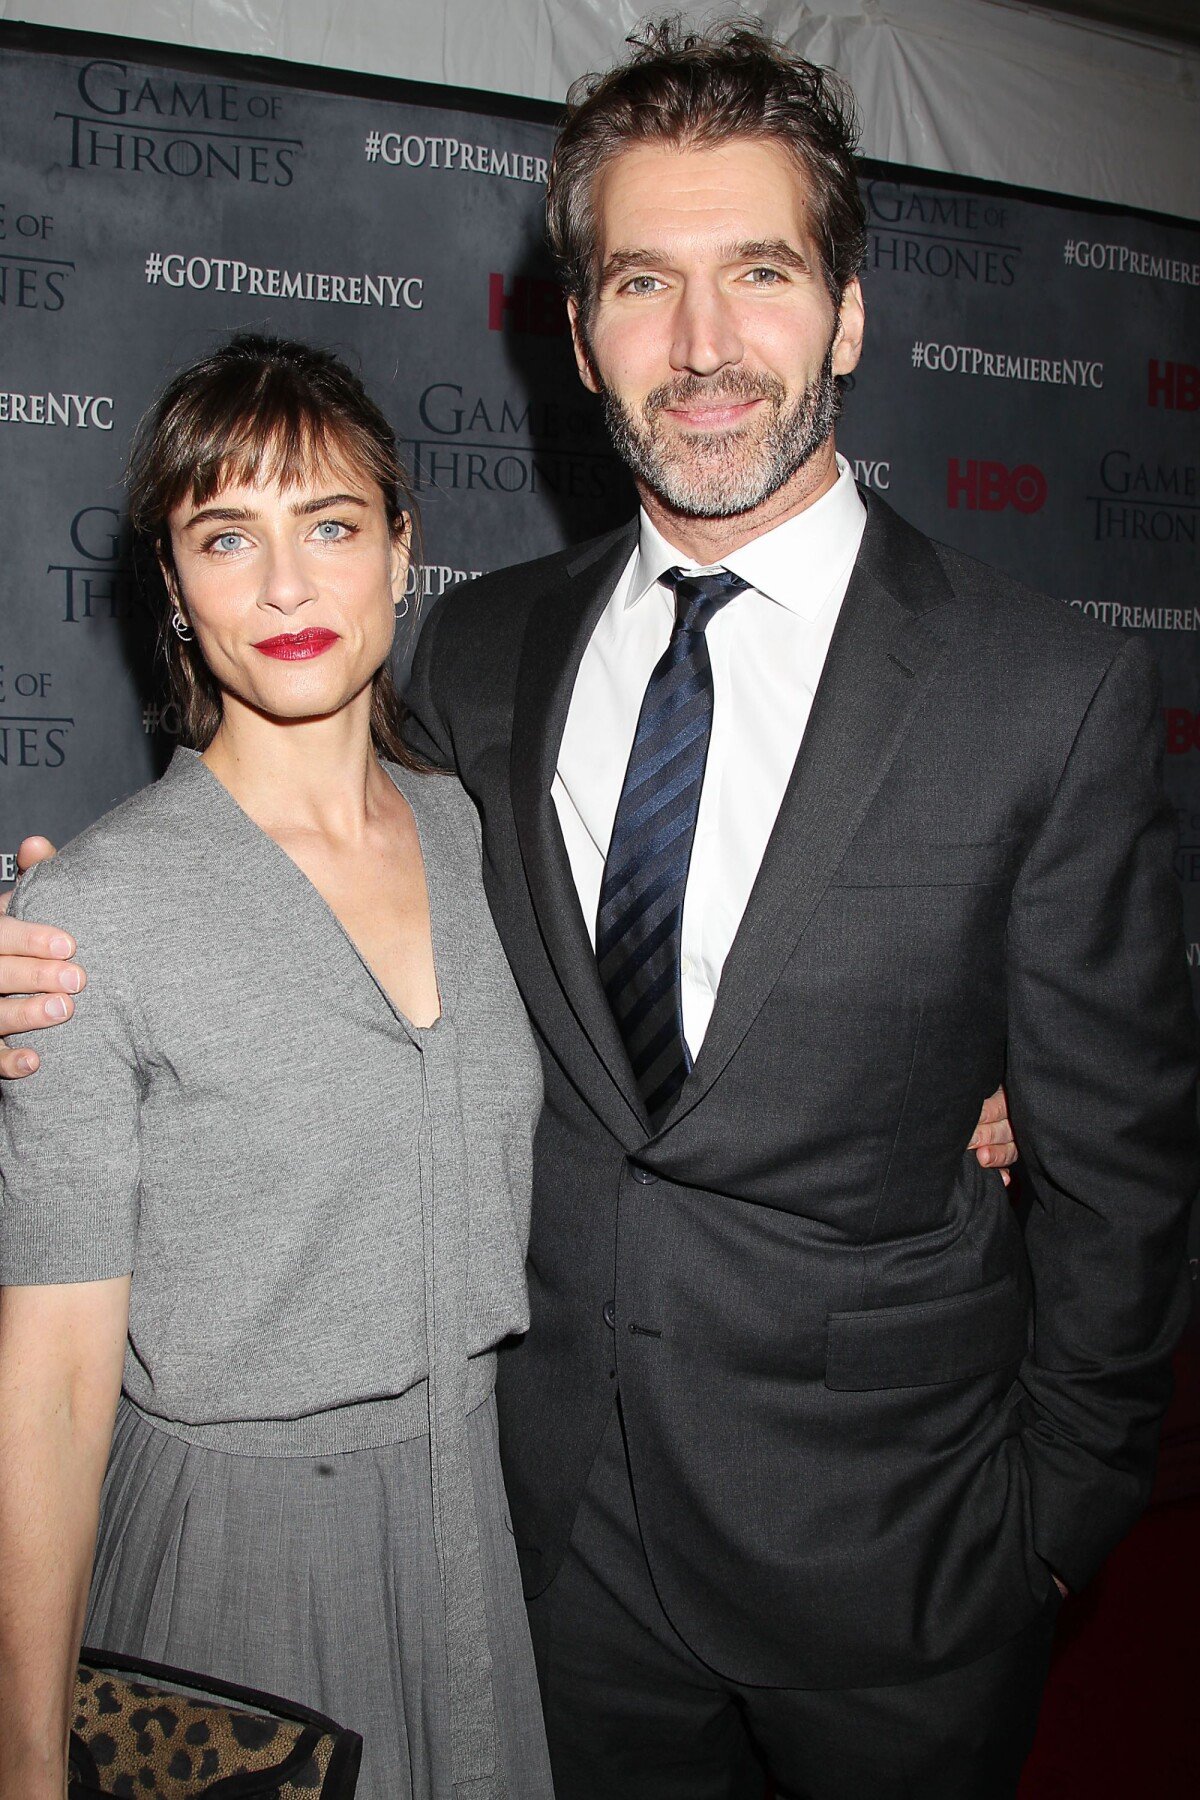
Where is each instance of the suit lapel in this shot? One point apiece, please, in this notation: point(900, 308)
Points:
point(560, 626)
point(878, 667)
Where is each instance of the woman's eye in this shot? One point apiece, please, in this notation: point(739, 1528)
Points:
point(228, 541)
point(329, 531)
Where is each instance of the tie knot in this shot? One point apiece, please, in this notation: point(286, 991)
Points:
point(699, 597)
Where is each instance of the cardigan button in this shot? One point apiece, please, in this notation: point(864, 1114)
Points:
point(610, 1315)
point(645, 1176)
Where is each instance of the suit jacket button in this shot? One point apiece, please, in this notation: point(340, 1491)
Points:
point(643, 1175)
point(610, 1315)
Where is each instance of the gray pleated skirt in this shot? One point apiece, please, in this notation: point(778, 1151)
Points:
point(316, 1578)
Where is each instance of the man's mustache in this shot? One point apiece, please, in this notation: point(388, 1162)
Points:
point(729, 385)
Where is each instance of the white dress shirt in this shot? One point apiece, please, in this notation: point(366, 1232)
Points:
point(767, 647)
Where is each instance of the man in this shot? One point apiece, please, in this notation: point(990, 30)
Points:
point(806, 1437)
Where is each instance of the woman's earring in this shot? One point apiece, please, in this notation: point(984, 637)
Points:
point(181, 628)
point(402, 609)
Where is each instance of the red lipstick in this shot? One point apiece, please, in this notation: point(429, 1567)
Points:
point(298, 646)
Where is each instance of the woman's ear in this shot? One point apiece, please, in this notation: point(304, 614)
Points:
point(401, 559)
point(169, 582)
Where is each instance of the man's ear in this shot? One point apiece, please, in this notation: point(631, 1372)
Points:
point(851, 323)
point(583, 354)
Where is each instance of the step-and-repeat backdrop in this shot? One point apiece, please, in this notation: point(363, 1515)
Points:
point(1030, 390)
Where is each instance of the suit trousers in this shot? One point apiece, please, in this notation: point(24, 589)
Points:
point(632, 1711)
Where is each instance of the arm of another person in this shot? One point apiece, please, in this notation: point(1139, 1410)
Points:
point(37, 981)
point(61, 1353)
point(1102, 1084)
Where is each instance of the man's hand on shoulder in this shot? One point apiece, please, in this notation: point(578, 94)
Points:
point(34, 965)
point(993, 1139)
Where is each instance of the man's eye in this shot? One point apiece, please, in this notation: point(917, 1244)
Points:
point(764, 277)
point(642, 284)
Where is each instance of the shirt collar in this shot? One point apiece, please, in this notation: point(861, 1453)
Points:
point(796, 564)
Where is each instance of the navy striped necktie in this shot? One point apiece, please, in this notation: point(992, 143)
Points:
point(640, 920)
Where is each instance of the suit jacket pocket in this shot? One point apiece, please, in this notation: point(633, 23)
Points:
point(911, 863)
point(930, 1341)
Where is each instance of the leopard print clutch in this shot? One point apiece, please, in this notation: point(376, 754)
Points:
point(141, 1731)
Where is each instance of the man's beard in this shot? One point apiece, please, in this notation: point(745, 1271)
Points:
point(716, 475)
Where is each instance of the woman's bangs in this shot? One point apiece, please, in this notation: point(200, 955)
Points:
point(292, 450)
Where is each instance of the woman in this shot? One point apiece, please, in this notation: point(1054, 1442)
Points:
point(253, 1288)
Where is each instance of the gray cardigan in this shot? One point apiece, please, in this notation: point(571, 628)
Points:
point(324, 1209)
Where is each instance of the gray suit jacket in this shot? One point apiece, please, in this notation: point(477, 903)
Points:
point(867, 1413)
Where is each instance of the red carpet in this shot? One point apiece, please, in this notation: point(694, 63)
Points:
point(1121, 1718)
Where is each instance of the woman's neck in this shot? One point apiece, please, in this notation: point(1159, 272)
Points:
point(304, 776)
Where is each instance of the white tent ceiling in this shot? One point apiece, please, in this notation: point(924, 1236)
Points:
point(993, 88)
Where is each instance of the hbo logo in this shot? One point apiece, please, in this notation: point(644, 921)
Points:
point(1183, 730)
point(990, 486)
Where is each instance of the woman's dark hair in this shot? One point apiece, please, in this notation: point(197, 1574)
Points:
point(258, 409)
point(687, 88)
